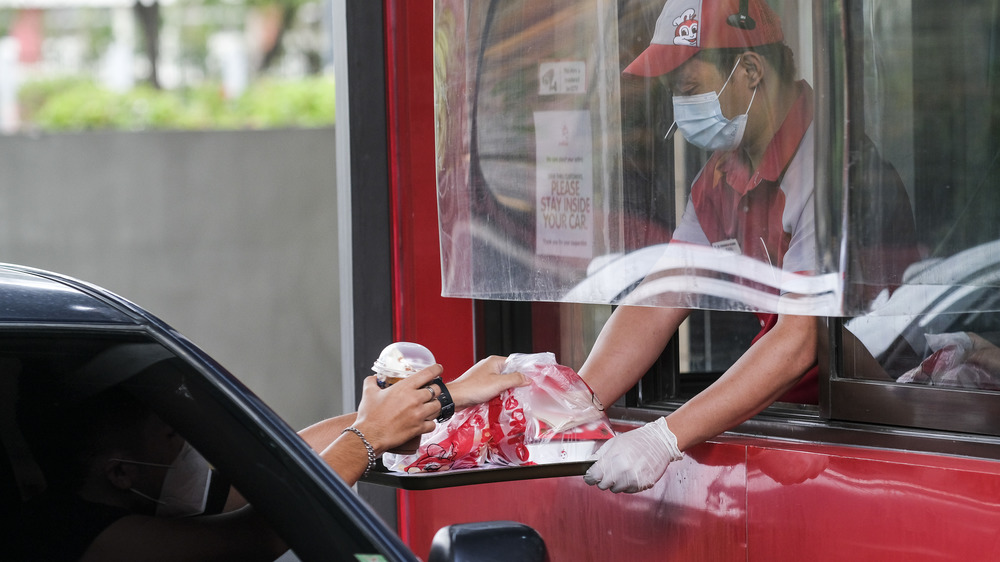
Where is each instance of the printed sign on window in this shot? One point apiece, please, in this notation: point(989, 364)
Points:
point(564, 194)
point(566, 77)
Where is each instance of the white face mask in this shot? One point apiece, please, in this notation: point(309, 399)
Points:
point(185, 488)
point(700, 119)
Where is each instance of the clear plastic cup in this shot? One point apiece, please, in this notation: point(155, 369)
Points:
point(400, 360)
point(396, 362)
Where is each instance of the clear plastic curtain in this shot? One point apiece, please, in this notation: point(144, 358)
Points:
point(557, 180)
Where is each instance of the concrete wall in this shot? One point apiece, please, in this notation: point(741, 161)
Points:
point(230, 237)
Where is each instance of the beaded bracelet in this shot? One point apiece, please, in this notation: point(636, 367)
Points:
point(368, 447)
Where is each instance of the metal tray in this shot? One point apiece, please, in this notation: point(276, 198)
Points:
point(468, 476)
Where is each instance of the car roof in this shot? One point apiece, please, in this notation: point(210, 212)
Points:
point(39, 297)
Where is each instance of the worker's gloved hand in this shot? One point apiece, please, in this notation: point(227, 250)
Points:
point(633, 461)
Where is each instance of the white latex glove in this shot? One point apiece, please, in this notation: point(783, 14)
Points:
point(633, 461)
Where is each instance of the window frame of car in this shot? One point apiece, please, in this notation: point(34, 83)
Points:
point(309, 506)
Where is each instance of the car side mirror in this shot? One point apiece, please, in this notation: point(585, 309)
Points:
point(489, 541)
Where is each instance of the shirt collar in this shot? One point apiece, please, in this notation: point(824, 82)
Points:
point(779, 151)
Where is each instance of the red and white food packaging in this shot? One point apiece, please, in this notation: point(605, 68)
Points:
point(552, 420)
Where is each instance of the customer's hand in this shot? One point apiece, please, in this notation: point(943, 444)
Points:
point(392, 416)
point(483, 381)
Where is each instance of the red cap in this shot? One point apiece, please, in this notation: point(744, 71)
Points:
point(687, 26)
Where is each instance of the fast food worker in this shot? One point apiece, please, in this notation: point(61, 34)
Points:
point(734, 90)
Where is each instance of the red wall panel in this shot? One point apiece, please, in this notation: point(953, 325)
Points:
point(444, 325)
point(749, 500)
point(731, 499)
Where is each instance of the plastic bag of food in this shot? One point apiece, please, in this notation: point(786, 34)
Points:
point(950, 364)
point(554, 419)
point(461, 442)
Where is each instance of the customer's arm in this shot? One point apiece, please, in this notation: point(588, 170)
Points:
point(385, 417)
point(390, 417)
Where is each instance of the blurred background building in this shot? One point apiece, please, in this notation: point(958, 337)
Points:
point(175, 64)
point(183, 155)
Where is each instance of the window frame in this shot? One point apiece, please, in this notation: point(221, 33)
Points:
point(858, 398)
point(851, 411)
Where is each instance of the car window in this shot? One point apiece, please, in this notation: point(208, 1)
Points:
point(246, 445)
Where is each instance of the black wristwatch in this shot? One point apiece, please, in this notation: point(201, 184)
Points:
point(447, 404)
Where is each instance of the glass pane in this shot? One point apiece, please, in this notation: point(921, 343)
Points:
point(707, 344)
point(936, 117)
point(563, 178)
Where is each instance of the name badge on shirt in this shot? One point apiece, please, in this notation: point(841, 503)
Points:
point(730, 245)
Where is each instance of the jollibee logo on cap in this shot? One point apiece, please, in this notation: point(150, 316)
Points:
point(679, 23)
point(686, 28)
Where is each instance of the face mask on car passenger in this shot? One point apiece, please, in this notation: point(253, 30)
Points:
point(699, 118)
point(185, 487)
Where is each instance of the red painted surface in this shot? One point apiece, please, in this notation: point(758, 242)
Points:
point(444, 325)
point(421, 314)
point(730, 499)
point(881, 506)
point(742, 499)
point(579, 522)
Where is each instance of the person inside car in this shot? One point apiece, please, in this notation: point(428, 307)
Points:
point(123, 485)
